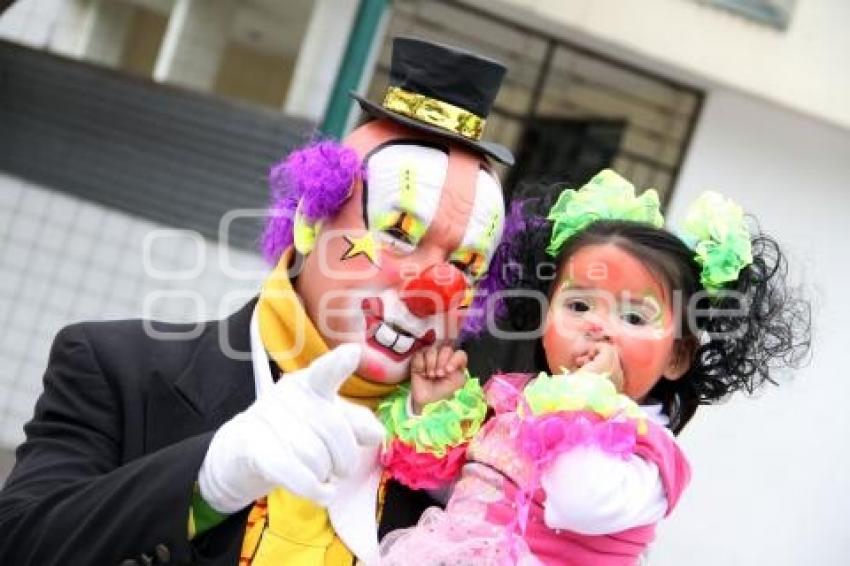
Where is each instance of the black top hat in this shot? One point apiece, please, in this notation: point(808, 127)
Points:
point(442, 90)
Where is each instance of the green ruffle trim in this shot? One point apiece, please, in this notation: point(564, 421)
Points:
point(714, 228)
point(579, 391)
point(607, 196)
point(442, 425)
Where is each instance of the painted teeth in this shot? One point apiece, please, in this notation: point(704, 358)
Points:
point(386, 336)
point(403, 344)
point(389, 338)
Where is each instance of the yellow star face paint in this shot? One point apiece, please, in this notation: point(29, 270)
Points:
point(366, 245)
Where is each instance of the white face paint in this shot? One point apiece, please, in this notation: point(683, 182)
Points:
point(484, 230)
point(404, 181)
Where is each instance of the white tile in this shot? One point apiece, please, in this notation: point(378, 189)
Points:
point(7, 361)
point(24, 316)
point(44, 263)
point(34, 287)
point(14, 256)
point(61, 297)
point(10, 193)
point(31, 383)
point(89, 217)
point(25, 227)
point(10, 283)
point(21, 405)
point(124, 288)
point(97, 281)
point(115, 227)
point(62, 209)
point(6, 215)
point(14, 341)
point(131, 263)
point(139, 230)
point(5, 309)
point(40, 342)
point(51, 320)
point(34, 201)
point(52, 237)
point(107, 257)
point(79, 244)
point(88, 307)
point(70, 273)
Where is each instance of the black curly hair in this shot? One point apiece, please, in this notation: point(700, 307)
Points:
point(737, 339)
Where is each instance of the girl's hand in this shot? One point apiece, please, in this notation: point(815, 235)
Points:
point(436, 374)
point(604, 359)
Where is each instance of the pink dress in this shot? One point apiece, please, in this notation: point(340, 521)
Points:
point(495, 513)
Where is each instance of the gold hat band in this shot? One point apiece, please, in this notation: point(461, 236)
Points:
point(434, 112)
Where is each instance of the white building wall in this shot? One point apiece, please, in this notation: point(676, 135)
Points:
point(31, 22)
point(801, 68)
point(771, 475)
point(194, 42)
point(319, 58)
point(106, 28)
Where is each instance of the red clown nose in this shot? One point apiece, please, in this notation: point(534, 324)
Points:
point(436, 290)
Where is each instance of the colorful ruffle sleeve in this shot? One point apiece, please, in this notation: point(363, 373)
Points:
point(427, 451)
point(552, 414)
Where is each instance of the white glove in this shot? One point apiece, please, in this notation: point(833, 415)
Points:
point(300, 435)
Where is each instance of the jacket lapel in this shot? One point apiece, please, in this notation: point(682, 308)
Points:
point(217, 383)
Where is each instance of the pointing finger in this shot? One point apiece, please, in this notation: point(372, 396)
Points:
point(327, 373)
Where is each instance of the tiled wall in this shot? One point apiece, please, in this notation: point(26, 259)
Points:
point(63, 259)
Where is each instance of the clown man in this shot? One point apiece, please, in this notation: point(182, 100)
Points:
point(253, 441)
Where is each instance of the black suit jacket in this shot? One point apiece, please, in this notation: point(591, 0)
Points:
point(111, 455)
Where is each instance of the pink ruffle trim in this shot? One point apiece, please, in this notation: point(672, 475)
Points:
point(542, 438)
point(422, 470)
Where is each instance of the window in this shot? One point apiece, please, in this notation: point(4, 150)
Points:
point(776, 13)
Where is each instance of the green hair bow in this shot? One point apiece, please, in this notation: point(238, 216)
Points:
point(607, 196)
point(714, 228)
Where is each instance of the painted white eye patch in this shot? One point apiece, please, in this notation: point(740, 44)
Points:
point(404, 183)
point(484, 230)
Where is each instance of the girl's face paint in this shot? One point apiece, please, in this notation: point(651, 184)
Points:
point(607, 297)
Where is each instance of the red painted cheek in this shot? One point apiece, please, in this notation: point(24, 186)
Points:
point(641, 353)
point(643, 361)
point(557, 345)
point(374, 370)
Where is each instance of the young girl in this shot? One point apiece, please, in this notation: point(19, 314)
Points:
point(641, 327)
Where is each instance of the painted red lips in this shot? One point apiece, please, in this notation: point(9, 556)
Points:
point(395, 342)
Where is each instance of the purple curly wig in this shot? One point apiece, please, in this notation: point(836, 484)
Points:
point(319, 176)
point(492, 283)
